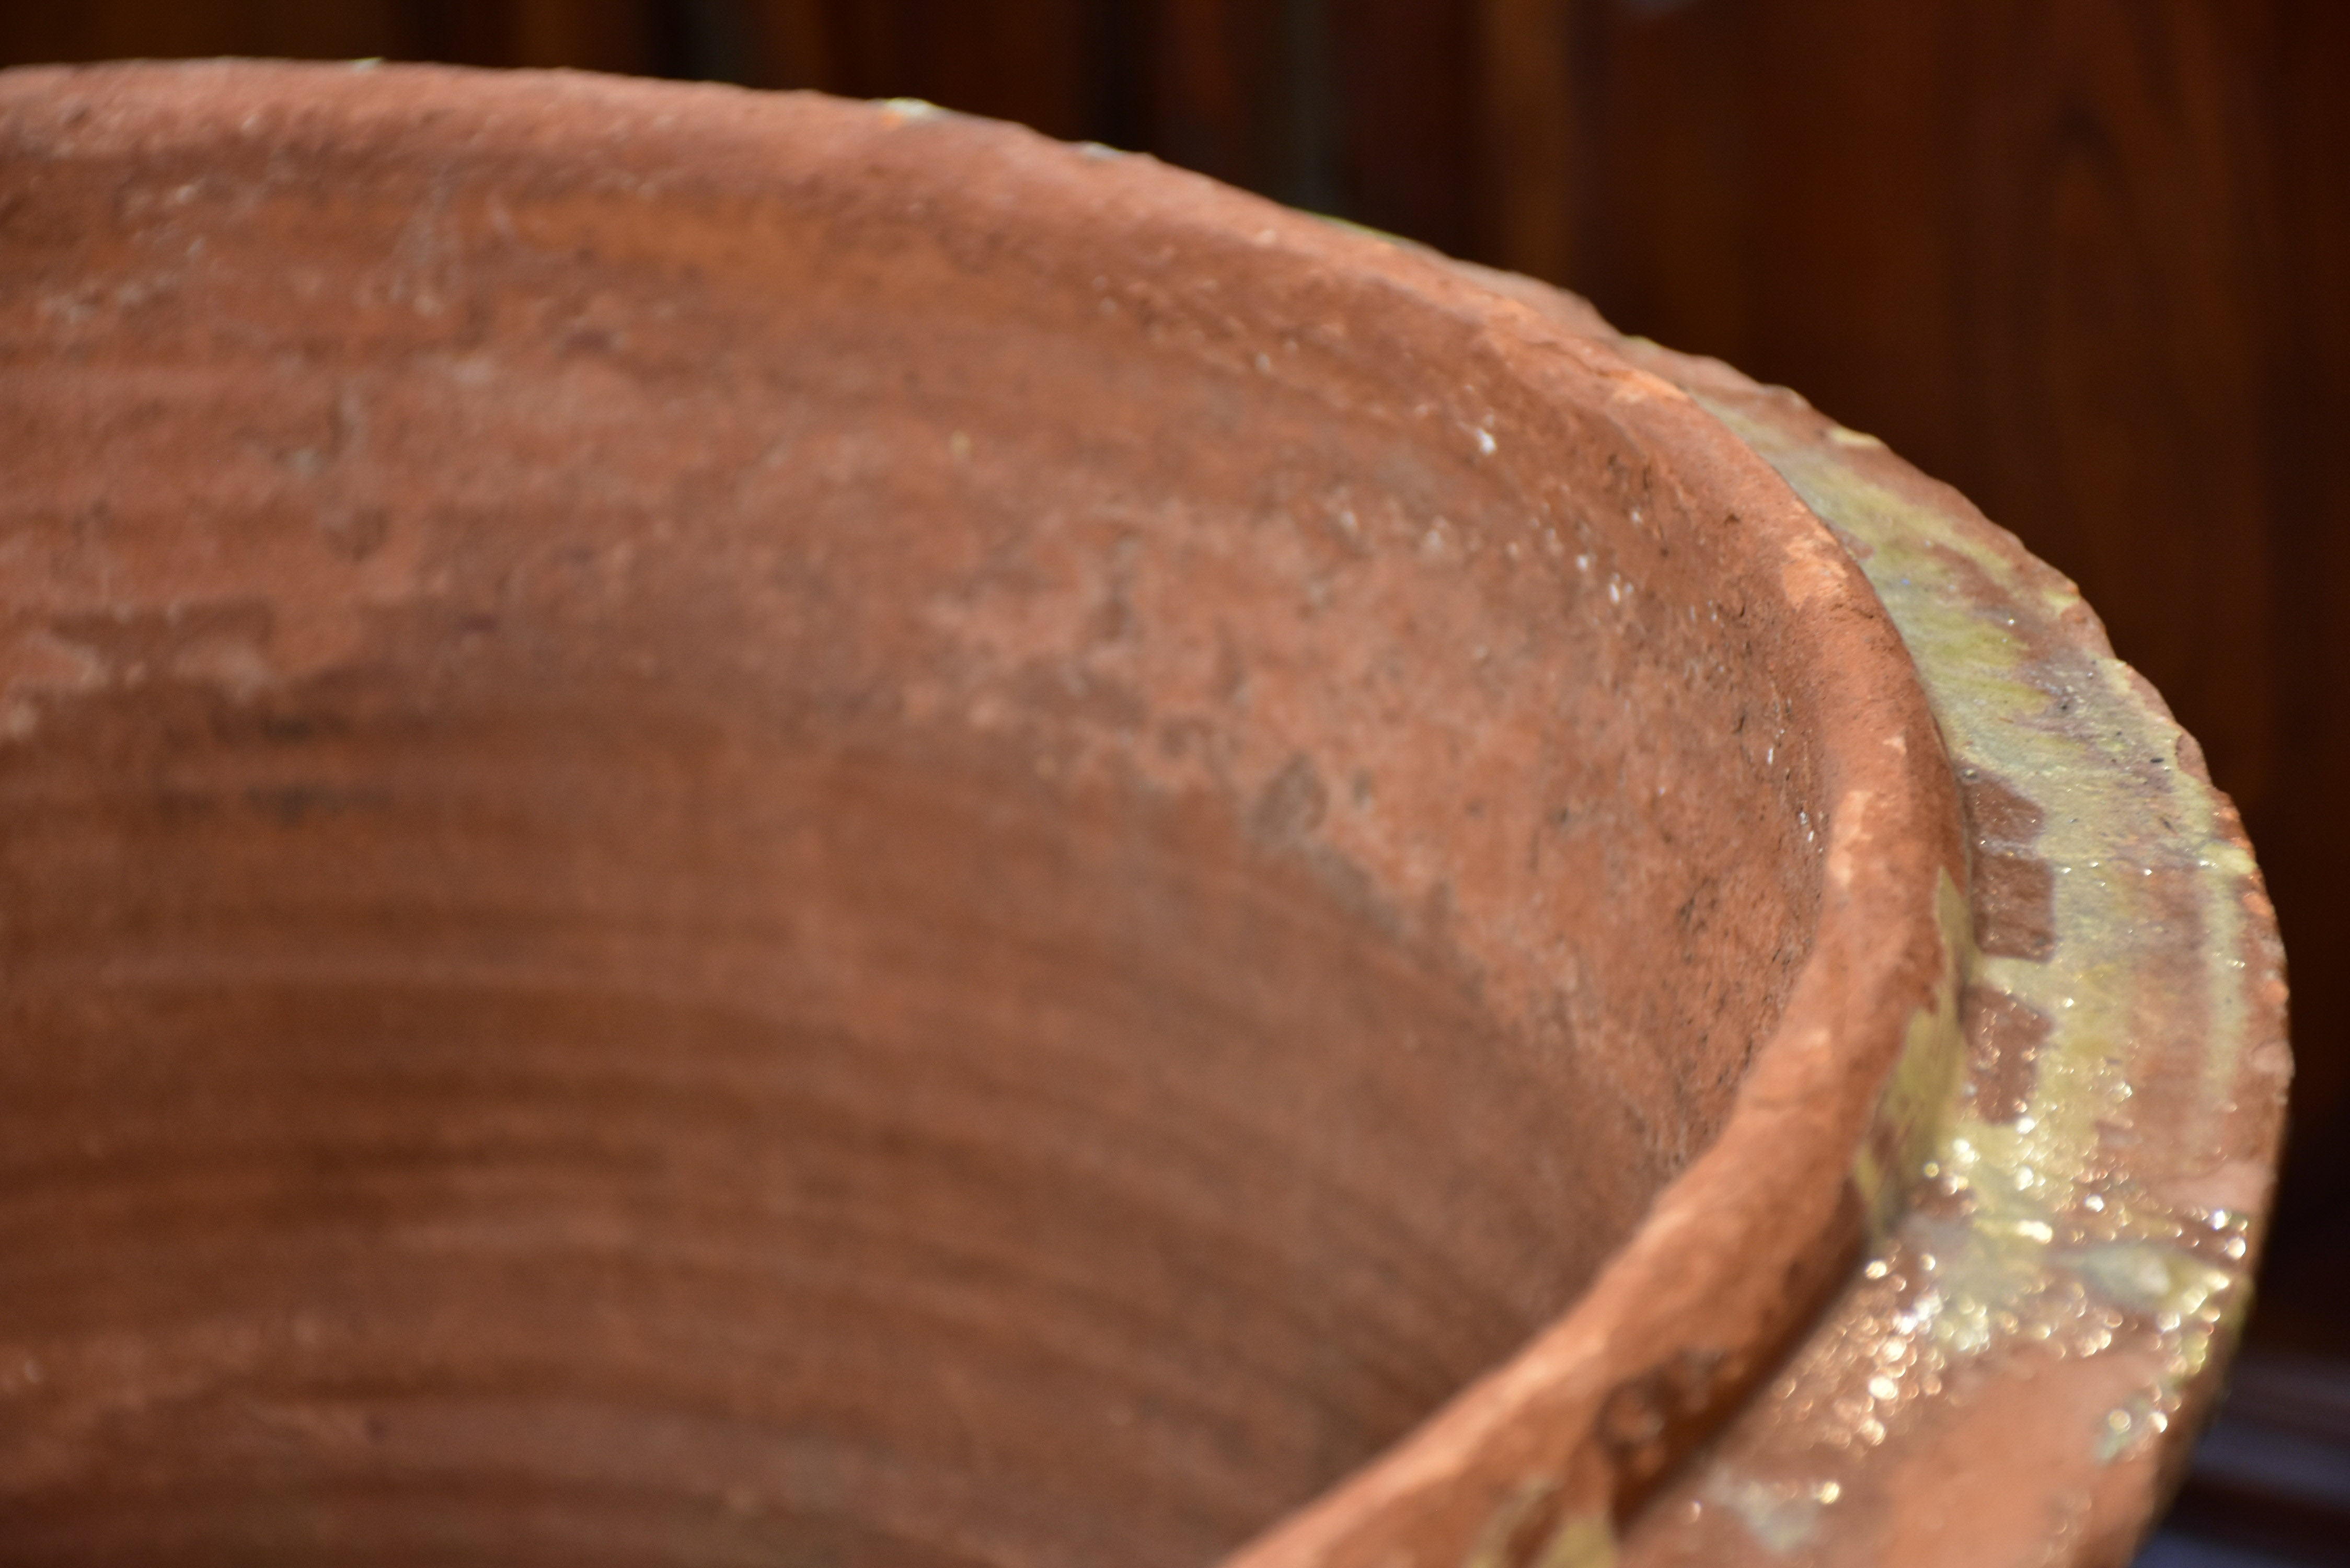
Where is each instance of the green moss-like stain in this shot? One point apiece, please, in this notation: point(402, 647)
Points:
point(1912, 1111)
point(1587, 1541)
point(2086, 753)
point(2026, 1230)
point(1577, 1541)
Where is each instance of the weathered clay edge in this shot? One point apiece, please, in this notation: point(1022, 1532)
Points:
point(1990, 665)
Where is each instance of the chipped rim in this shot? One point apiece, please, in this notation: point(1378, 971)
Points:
point(2079, 1239)
point(2016, 1370)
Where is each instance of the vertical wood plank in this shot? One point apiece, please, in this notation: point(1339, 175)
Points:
point(585, 34)
point(115, 29)
point(1525, 182)
point(788, 43)
point(1026, 60)
point(1665, 166)
point(1402, 82)
point(2301, 821)
point(1210, 86)
point(2113, 247)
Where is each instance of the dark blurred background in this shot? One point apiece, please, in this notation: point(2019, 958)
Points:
point(2089, 260)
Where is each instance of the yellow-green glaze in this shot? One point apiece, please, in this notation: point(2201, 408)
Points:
point(2053, 1247)
point(1915, 1106)
point(2028, 1178)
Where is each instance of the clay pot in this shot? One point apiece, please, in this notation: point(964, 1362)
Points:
point(740, 829)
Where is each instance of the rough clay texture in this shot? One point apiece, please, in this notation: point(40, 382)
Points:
point(2017, 1374)
point(736, 825)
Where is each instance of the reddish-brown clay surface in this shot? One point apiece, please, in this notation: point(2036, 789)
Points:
point(2019, 1374)
point(737, 825)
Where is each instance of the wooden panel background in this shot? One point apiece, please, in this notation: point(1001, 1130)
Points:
point(2087, 259)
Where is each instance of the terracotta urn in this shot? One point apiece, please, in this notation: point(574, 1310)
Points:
point(737, 829)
